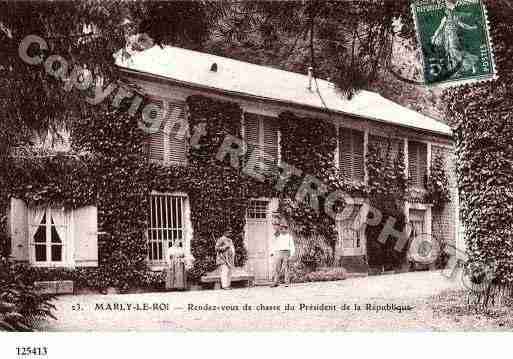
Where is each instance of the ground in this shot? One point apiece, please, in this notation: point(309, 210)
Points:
point(430, 302)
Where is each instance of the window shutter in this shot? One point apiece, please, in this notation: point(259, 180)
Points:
point(345, 159)
point(422, 164)
point(270, 131)
point(173, 130)
point(18, 222)
point(156, 140)
point(176, 127)
point(352, 154)
point(251, 135)
point(417, 163)
point(85, 236)
point(413, 163)
point(358, 157)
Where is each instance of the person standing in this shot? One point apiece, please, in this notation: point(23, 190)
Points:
point(283, 249)
point(225, 258)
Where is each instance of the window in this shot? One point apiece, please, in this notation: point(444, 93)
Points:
point(166, 225)
point(417, 163)
point(261, 135)
point(351, 154)
point(418, 221)
point(257, 209)
point(350, 229)
point(53, 237)
point(48, 232)
point(169, 145)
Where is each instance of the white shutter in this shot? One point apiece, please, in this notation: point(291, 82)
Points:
point(351, 154)
point(345, 155)
point(413, 163)
point(18, 223)
point(358, 155)
point(169, 144)
point(422, 164)
point(251, 134)
point(156, 141)
point(85, 236)
point(417, 163)
point(176, 129)
point(270, 142)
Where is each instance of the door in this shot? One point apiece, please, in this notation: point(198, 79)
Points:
point(351, 234)
point(258, 229)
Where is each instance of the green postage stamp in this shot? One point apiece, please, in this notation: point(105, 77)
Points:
point(455, 41)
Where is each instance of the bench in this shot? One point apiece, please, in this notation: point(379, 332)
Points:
point(239, 274)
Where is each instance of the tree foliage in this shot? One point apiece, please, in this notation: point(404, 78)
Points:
point(349, 42)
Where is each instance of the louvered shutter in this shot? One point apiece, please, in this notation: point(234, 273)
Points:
point(358, 157)
point(345, 155)
point(270, 142)
point(169, 144)
point(352, 154)
point(413, 163)
point(251, 136)
point(155, 144)
point(422, 164)
point(417, 163)
point(176, 128)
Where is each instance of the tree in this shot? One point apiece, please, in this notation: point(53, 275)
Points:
point(85, 34)
point(349, 42)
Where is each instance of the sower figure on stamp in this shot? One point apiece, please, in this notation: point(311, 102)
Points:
point(283, 249)
point(225, 258)
point(447, 37)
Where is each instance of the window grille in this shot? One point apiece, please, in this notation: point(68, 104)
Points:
point(166, 225)
point(257, 209)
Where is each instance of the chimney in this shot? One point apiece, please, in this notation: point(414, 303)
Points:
point(310, 77)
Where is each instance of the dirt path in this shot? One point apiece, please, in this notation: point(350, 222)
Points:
point(353, 304)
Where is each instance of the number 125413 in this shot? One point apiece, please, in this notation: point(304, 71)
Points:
point(31, 351)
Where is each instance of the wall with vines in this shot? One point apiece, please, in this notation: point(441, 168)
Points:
point(108, 168)
point(387, 192)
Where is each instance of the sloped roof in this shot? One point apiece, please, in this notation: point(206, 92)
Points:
point(240, 77)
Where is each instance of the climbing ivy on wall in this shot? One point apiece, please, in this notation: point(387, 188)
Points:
point(309, 145)
point(483, 120)
point(387, 193)
point(437, 184)
point(108, 168)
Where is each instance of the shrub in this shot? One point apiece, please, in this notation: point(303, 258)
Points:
point(21, 306)
point(300, 274)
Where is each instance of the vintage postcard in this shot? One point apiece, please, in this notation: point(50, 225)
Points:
point(255, 167)
point(455, 41)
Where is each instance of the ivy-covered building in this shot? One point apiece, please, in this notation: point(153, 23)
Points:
point(149, 192)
